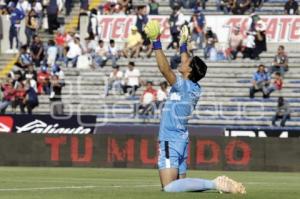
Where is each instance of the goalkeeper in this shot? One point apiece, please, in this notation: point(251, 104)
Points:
point(173, 133)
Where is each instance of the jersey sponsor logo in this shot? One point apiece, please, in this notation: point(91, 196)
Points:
point(175, 97)
point(6, 124)
point(40, 127)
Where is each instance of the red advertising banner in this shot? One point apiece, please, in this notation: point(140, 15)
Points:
point(141, 151)
point(278, 28)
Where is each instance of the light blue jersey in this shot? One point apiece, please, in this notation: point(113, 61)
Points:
point(179, 106)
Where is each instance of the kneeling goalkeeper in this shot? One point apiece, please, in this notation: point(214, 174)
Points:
point(173, 132)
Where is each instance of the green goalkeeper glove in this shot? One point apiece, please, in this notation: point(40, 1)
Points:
point(184, 35)
point(152, 30)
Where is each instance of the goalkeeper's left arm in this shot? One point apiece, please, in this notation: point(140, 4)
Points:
point(152, 30)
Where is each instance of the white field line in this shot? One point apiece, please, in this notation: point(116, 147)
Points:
point(72, 187)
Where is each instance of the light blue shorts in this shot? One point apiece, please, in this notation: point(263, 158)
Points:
point(173, 155)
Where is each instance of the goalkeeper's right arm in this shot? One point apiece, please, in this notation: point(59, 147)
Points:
point(152, 30)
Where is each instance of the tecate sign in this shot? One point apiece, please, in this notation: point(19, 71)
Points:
point(40, 127)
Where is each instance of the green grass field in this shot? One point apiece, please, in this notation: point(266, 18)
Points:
point(85, 183)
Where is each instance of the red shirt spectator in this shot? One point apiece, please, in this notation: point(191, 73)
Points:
point(8, 92)
point(43, 79)
point(60, 39)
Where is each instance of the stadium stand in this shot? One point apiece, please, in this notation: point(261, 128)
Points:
point(225, 100)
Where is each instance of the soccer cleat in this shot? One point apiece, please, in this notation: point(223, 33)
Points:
point(227, 185)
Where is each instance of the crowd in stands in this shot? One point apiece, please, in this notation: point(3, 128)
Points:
point(38, 70)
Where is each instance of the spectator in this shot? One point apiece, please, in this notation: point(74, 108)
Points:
point(121, 7)
point(283, 112)
point(16, 17)
point(134, 43)
point(24, 5)
point(56, 105)
point(43, 81)
point(53, 8)
point(249, 50)
point(225, 5)
point(235, 42)
point(24, 59)
point(114, 81)
point(38, 8)
point(31, 77)
point(113, 53)
point(37, 51)
point(68, 7)
point(100, 54)
point(31, 25)
point(132, 79)
point(241, 6)
point(176, 20)
point(31, 98)
point(259, 27)
point(8, 95)
point(280, 62)
point(291, 7)
point(60, 40)
point(74, 51)
point(197, 27)
point(147, 100)
point(52, 53)
point(153, 7)
point(19, 99)
point(56, 70)
point(256, 39)
point(276, 84)
point(141, 21)
point(210, 40)
point(93, 23)
point(162, 94)
point(260, 82)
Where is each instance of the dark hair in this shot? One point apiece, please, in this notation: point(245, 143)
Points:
point(149, 82)
point(51, 42)
point(199, 69)
point(282, 47)
point(111, 41)
point(164, 84)
point(93, 11)
point(100, 41)
point(131, 63)
point(278, 73)
point(280, 101)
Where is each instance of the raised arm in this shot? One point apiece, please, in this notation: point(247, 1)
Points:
point(152, 30)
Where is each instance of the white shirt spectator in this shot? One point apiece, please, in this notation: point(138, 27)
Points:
point(148, 98)
point(161, 95)
point(119, 75)
point(74, 50)
point(180, 20)
point(101, 51)
point(113, 50)
point(38, 8)
point(132, 77)
point(24, 5)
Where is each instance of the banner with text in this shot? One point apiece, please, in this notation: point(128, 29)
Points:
point(141, 151)
point(278, 28)
point(47, 124)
